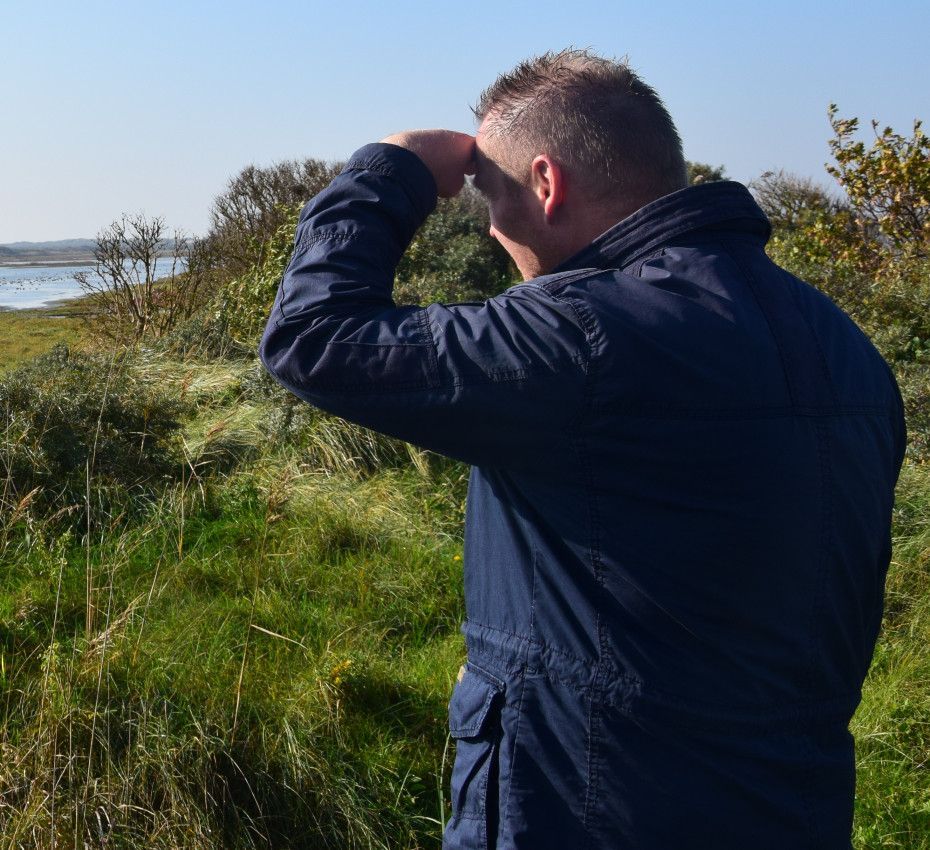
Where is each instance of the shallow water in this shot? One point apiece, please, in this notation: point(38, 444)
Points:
point(23, 287)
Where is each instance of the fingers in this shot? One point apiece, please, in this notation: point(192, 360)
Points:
point(448, 154)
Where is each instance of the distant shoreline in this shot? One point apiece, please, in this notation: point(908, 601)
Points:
point(74, 261)
point(58, 305)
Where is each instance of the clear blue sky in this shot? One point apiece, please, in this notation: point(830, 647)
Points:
point(111, 107)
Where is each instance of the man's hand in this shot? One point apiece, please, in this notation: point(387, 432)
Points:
point(448, 155)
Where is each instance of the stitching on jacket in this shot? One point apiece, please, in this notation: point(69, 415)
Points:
point(590, 328)
point(591, 756)
point(427, 331)
point(585, 662)
point(515, 743)
point(386, 170)
point(776, 334)
point(378, 168)
point(494, 377)
point(308, 241)
point(389, 346)
point(533, 593)
point(828, 378)
point(554, 287)
point(822, 438)
point(736, 414)
point(688, 713)
point(588, 395)
point(399, 387)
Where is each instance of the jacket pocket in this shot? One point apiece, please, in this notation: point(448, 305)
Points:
point(475, 723)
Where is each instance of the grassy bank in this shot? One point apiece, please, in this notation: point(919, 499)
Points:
point(27, 333)
point(261, 658)
point(259, 652)
point(892, 725)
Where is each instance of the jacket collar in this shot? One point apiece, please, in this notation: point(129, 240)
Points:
point(701, 207)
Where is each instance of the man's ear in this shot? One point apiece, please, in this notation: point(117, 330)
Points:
point(548, 184)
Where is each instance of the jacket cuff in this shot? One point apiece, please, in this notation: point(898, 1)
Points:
point(401, 164)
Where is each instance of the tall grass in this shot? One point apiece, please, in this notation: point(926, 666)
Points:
point(261, 659)
point(892, 725)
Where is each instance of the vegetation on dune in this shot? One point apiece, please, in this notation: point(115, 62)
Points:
point(28, 333)
point(230, 620)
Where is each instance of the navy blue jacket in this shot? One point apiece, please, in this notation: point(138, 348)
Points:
point(678, 520)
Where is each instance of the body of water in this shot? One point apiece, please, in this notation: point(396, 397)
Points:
point(39, 286)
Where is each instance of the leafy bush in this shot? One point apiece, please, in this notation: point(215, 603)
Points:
point(870, 252)
point(256, 203)
point(451, 258)
point(72, 422)
point(244, 302)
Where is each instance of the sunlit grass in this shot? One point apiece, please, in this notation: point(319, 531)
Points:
point(261, 654)
point(27, 333)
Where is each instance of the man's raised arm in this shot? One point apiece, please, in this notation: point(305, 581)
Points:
point(470, 381)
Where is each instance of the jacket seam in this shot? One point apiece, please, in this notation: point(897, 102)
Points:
point(828, 381)
point(776, 334)
point(822, 440)
point(307, 242)
point(589, 326)
point(542, 645)
point(591, 755)
point(433, 358)
point(794, 712)
point(390, 172)
point(658, 412)
point(456, 382)
point(514, 745)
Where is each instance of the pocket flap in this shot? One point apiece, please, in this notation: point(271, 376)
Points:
point(471, 701)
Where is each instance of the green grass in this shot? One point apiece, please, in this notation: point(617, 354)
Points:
point(262, 658)
point(273, 669)
point(892, 725)
point(27, 333)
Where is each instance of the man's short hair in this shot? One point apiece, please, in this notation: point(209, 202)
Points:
point(596, 117)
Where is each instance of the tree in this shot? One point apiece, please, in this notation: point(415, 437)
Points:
point(790, 201)
point(887, 183)
point(129, 299)
point(702, 172)
point(256, 203)
point(452, 258)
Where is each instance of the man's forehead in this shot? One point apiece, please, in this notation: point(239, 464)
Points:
point(488, 150)
point(483, 156)
point(481, 138)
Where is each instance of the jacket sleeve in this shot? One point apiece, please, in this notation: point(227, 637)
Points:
point(491, 383)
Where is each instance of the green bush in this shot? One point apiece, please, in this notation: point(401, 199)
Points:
point(451, 258)
point(870, 252)
point(74, 423)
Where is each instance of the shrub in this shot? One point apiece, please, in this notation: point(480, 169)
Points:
point(73, 422)
point(451, 258)
point(870, 252)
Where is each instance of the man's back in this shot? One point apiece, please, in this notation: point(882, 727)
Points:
point(708, 539)
point(678, 517)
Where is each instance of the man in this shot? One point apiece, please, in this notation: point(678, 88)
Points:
point(683, 470)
